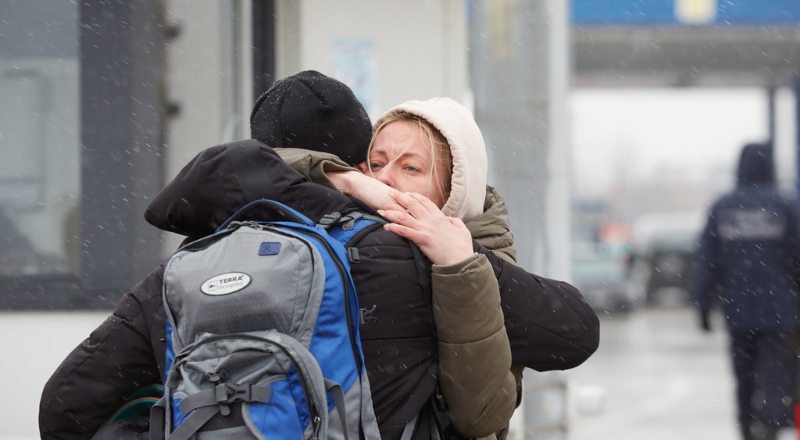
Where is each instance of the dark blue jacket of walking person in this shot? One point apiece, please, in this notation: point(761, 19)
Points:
point(748, 252)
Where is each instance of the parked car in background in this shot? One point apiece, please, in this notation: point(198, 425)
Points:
point(601, 276)
point(661, 255)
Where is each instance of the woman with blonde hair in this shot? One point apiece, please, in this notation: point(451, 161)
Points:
point(430, 160)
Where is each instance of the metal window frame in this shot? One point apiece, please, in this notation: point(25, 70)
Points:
point(121, 139)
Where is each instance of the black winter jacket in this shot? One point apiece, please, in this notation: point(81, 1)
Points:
point(549, 324)
point(748, 254)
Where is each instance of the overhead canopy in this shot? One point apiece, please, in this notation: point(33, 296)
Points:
point(663, 43)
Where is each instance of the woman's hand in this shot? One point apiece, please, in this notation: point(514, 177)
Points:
point(369, 190)
point(444, 240)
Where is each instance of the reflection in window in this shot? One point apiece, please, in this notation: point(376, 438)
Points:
point(39, 173)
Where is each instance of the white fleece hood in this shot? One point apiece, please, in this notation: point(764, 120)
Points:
point(458, 126)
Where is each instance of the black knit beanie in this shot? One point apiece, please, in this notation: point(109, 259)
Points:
point(312, 111)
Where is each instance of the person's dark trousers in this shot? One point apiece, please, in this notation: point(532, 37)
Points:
point(763, 363)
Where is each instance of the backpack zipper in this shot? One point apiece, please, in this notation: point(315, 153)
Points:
point(345, 284)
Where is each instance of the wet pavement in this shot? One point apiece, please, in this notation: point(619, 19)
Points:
point(656, 376)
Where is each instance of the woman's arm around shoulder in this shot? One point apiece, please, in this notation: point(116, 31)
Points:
point(474, 351)
point(315, 165)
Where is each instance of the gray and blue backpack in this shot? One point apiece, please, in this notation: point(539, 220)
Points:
point(262, 332)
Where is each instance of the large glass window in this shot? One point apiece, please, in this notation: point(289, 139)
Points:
point(80, 134)
point(40, 170)
point(102, 103)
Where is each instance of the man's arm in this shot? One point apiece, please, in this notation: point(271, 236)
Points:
point(704, 271)
point(549, 323)
point(96, 377)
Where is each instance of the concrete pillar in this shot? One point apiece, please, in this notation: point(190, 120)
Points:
point(520, 78)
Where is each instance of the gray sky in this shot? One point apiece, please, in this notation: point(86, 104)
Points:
point(638, 130)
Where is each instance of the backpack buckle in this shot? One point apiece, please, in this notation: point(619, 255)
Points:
point(240, 393)
point(329, 219)
point(231, 393)
point(221, 396)
point(366, 314)
point(226, 393)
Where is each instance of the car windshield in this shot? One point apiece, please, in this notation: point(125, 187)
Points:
point(595, 269)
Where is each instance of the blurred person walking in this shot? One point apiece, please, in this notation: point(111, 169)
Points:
point(746, 264)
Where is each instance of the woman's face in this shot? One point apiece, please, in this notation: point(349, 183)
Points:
point(401, 158)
